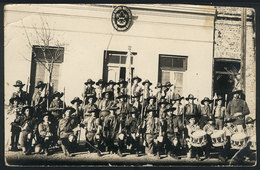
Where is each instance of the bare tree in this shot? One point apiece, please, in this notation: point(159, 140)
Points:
point(40, 39)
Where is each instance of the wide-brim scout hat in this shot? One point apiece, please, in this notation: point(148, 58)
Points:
point(146, 81)
point(113, 107)
point(168, 84)
point(89, 81)
point(219, 98)
point(136, 95)
point(110, 93)
point(96, 111)
point(121, 95)
point(249, 120)
point(40, 84)
point(76, 99)
point(111, 82)
point(190, 96)
point(236, 92)
point(58, 94)
point(15, 98)
point(169, 107)
point(159, 85)
point(206, 99)
point(72, 110)
point(188, 117)
point(100, 81)
point(122, 81)
point(162, 101)
point(93, 97)
point(18, 83)
point(137, 78)
point(151, 97)
point(28, 107)
point(45, 114)
point(177, 97)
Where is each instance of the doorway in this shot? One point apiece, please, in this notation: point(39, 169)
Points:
point(116, 66)
point(226, 71)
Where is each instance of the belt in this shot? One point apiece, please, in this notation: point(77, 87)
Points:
point(219, 117)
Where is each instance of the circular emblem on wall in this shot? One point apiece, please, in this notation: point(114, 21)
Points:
point(122, 18)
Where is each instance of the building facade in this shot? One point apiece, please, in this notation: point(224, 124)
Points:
point(168, 43)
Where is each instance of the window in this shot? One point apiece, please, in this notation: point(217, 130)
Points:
point(172, 62)
point(172, 69)
point(52, 53)
point(116, 65)
point(39, 72)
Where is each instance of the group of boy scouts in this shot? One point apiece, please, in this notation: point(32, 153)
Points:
point(118, 119)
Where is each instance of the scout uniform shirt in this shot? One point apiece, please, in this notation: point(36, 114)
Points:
point(89, 91)
point(136, 89)
point(23, 97)
point(44, 129)
point(191, 109)
point(89, 107)
point(238, 105)
point(56, 104)
point(219, 112)
point(99, 91)
point(65, 127)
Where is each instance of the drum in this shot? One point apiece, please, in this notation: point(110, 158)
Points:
point(198, 138)
point(219, 138)
point(253, 142)
point(238, 140)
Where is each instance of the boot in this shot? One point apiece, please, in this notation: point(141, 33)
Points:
point(119, 153)
point(158, 155)
point(198, 157)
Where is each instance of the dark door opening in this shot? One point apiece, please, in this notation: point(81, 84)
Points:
point(122, 73)
point(226, 72)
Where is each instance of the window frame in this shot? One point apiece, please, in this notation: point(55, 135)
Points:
point(185, 62)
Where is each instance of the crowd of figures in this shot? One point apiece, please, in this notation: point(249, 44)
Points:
point(118, 119)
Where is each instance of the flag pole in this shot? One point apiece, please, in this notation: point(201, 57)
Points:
point(130, 72)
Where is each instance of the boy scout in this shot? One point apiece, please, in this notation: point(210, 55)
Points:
point(89, 90)
point(133, 131)
point(66, 132)
point(122, 86)
point(136, 88)
point(89, 107)
point(100, 89)
point(104, 104)
point(39, 99)
point(28, 129)
point(191, 109)
point(171, 133)
point(162, 106)
point(23, 95)
point(109, 125)
point(12, 120)
point(149, 127)
point(45, 135)
point(56, 106)
point(93, 132)
point(205, 111)
point(151, 105)
point(219, 113)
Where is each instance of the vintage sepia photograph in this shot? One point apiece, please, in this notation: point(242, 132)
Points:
point(129, 85)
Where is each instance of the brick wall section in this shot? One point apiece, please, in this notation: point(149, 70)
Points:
point(228, 45)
